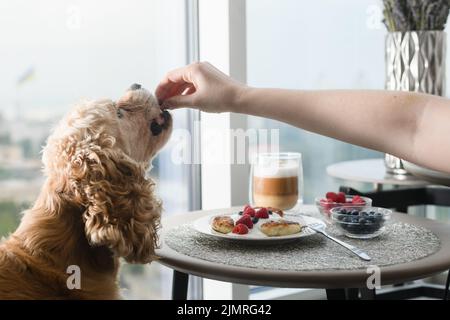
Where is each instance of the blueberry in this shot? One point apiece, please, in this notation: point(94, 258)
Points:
point(270, 211)
point(372, 213)
point(353, 228)
point(241, 213)
point(347, 219)
point(340, 217)
point(355, 213)
point(355, 220)
point(362, 221)
point(343, 211)
point(255, 220)
point(364, 214)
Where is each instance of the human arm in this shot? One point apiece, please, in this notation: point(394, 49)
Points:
point(412, 126)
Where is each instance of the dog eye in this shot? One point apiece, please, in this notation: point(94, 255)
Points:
point(119, 113)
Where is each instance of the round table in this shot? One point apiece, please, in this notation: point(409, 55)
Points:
point(371, 171)
point(184, 265)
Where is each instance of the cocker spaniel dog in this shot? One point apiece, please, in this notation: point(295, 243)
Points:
point(95, 206)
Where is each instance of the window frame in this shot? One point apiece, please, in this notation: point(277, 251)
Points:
point(195, 187)
point(218, 20)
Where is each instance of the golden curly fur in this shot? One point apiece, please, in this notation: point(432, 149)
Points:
point(95, 206)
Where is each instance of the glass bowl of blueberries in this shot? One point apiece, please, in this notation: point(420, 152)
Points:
point(361, 222)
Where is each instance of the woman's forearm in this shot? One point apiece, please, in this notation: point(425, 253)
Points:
point(382, 120)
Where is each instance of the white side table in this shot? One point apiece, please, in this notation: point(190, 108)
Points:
point(371, 171)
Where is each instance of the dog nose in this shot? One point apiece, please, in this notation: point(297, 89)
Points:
point(155, 128)
point(135, 86)
point(162, 122)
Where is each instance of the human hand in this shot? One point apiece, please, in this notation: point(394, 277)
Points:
point(199, 85)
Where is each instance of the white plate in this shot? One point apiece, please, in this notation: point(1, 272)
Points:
point(203, 225)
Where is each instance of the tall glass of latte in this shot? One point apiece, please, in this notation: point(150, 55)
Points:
point(276, 180)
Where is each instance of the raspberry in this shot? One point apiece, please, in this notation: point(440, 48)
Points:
point(340, 197)
point(246, 207)
point(262, 213)
point(331, 196)
point(240, 229)
point(247, 220)
point(250, 211)
point(358, 200)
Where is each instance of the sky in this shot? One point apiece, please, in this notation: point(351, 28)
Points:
point(84, 49)
point(95, 49)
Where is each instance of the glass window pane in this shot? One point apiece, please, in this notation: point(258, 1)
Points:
point(322, 44)
point(56, 52)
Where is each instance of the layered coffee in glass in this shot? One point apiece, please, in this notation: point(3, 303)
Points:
point(276, 180)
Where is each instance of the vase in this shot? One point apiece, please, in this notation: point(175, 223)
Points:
point(415, 61)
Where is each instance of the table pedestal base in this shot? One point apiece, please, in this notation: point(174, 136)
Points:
point(180, 285)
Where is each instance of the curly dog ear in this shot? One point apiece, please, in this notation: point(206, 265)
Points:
point(121, 209)
point(86, 165)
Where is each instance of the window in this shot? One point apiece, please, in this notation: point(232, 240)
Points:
point(55, 53)
point(322, 44)
point(314, 45)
